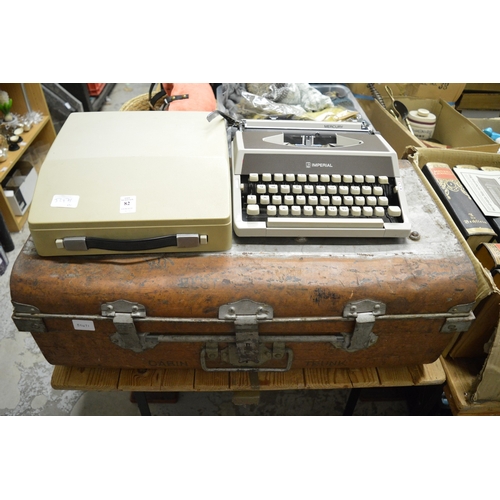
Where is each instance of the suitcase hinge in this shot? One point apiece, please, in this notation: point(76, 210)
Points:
point(246, 315)
point(458, 324)
point(123, 313)
point(25, 320)
point(364, 313)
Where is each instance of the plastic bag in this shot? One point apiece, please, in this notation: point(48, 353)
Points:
point(281, 100)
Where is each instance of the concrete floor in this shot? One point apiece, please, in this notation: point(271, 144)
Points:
point(25, 375)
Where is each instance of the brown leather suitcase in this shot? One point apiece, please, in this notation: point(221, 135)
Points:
point(271, 304)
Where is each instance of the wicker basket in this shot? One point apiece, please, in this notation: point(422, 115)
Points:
point(139, 103)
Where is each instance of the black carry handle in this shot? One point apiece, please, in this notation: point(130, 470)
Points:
point(132, 245)
point(83, 243)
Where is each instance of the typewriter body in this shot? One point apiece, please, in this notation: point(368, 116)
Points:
point(314, 179)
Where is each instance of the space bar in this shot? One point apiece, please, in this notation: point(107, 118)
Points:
point(315, 222)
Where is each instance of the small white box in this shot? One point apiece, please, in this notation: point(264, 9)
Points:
point(20, 188)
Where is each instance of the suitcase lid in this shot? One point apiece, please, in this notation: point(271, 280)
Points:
point(427, 273)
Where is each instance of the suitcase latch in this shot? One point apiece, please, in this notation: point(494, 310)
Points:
point(246, 315)
point(364, 312)
point(123, 313)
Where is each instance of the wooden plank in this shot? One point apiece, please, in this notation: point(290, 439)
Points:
point(430, 374)
point(211, 381)
point(178, 380)
point(279, 381)
point(242, 381)
point(460, 377)
point(364, 377)
point(394, 376)
point(86, 379)
point(326, 378)
point(141, 380)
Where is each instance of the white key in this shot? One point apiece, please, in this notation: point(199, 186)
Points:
point(378, 191)
point(320, 211)
point(324, 178)
point(251, 199)
point(308, 189)
point(356, 211)
point(324, 200)
point(336, 200)
point(253, 177)
point(343, 189)
point(359, 201)
point(301, 199)
point(383, 201)
point(253, 210)
point(266, 177)
point(394, 211)
point(308, 211)
point(273, 188)
point(347, 179)
point(336, 178)
point(296, 189)
point(331, 189)
point(261, 188)
point(320, 189)
point(383, 179)
point(332, 211)
point(359, 179)
point(355, 190)
point(264, 199)
point(366, 190)
point(283, 210)
point(369, 179)
point(313, 177)
point(271, 210)
point(368, 211)
point(301, 178)
point(295, 210)
point(284, 189)
point(345, 223)
point(343, 211)
point(276, 199)
point(312, 200)
point(348, 200)
point(379, 212)
point(289, 199)
point(290, 177)
point(371, 201)
point(278, 177)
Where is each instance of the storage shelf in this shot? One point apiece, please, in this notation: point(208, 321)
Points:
point(25, 97)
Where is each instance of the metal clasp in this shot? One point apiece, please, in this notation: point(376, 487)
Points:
point(246, 315)
point(364, 312)
point(123, 313)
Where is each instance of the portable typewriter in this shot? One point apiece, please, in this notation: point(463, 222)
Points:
point(315, 179)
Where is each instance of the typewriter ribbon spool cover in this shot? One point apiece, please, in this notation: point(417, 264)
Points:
point(119, 182)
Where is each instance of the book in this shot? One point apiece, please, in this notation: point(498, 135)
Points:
point(464, 211)
point(489, 255)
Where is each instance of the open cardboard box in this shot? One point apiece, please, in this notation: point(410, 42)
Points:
point(472, 360)
point(450, 92)
point(453, 130)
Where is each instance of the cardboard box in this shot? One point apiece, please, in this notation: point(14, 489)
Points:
point(483, 337)
point(20, 187)
point(450, 92)
point(482, 96)
point(482, 123)
point(453, 130)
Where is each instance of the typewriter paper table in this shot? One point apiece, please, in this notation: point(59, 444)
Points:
point(326, 311)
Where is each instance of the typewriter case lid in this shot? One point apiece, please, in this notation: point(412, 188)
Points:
point(133, 171)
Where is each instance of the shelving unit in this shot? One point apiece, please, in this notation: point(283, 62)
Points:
point(41, 133)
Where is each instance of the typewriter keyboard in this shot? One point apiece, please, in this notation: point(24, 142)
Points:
point(320, 200)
